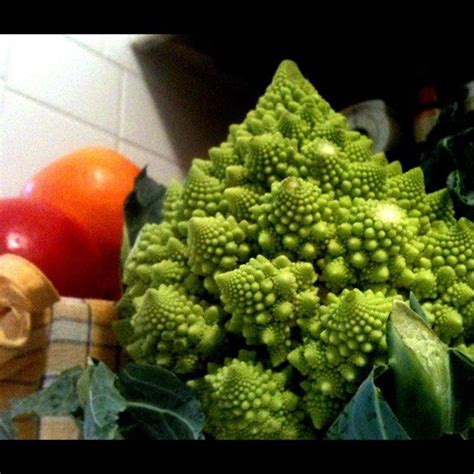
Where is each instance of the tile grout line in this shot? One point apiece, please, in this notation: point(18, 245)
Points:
point(56, 109)
point(148, 150)
point(7, 60)
point(119, 109)
point(102, 55)
point(122, 106)
point(89, 124)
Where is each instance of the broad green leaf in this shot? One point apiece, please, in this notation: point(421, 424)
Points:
point(124, 249)
point(463, 200)
point(58, 399)
point(104, 403)
point(143, 205)
point(367, 416)
point(162, 406)
point(123, 332)
point(416, 307)
point(462, 369)
point(420, 364)
point(7, 429)
point(447, 159)
point(83, 385)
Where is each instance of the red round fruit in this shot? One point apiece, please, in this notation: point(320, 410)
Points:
point(60, 247)
point(90, 186)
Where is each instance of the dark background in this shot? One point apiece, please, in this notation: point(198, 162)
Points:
point(203, 83)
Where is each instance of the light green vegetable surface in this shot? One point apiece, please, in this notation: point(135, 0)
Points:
point(269, 283)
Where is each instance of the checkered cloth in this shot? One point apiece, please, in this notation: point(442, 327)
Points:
point(62, 337)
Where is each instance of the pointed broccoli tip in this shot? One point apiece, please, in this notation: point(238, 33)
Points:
point(197, 225)
point(465, 225)
point(290, 69)
point(416, 174)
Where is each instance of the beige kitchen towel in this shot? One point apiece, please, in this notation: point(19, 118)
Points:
point(37, 345)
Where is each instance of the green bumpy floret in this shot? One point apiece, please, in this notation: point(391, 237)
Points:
point(452, 246)
point(202, 194)
point(266, 299)
point(373, 245)
point(292, 239)
point(241, 200)
point(445, 320)
point(157, 257)
point(149, 248)
point(286, 217)
point(242, 400)
point(341, 342)
point(216, 243)
point(172, 202)
point(222, 157)
point(271, 158)
point(174, 330)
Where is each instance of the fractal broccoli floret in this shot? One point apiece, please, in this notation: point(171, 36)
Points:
point(202, 194)
point(174, 330)
point(172, 202)
point(286, 217)
point(222, 157)
point(359, 149)
point(216, 243)
point(467, 313)
point(408, 190)
point(149, 248)
point(157, 257)
point(266, 299)
point(271, 158)
point(241, 200)
point(445, 320)
point(343, 339)
point(452, 246)
point(441, 207)
point(291, 239)
point(373, 244)
point(242, 400)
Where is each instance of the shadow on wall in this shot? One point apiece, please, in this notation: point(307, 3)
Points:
point(195, 100)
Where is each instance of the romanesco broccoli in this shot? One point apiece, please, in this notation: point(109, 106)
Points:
point(292, 240)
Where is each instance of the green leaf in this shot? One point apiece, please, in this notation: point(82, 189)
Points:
point(58, 399)
point(143, 205)
point(7, 429)
point(463, 201)
point(103, 405)
point(160, 404)
point(367, 416)
point(448, 157)
point(421, 368)
point(123, 331)
point(83, 385)
point(124, 250)
point(416, 307)
point(462, 369)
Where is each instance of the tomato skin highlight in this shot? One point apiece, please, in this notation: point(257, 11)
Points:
point(90, 186)
point(60, 247)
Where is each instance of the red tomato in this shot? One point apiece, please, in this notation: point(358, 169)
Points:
point(90, 186)
point(60, 247)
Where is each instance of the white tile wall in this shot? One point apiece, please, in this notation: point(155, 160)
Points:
point(141, 122)
point(95, 42)
point(2, 180)
point(63, 92)
point(45, 135)
point(2, 87)
point(117, 48)
point(160, 169)
point(59, 72)
point(4, 42)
